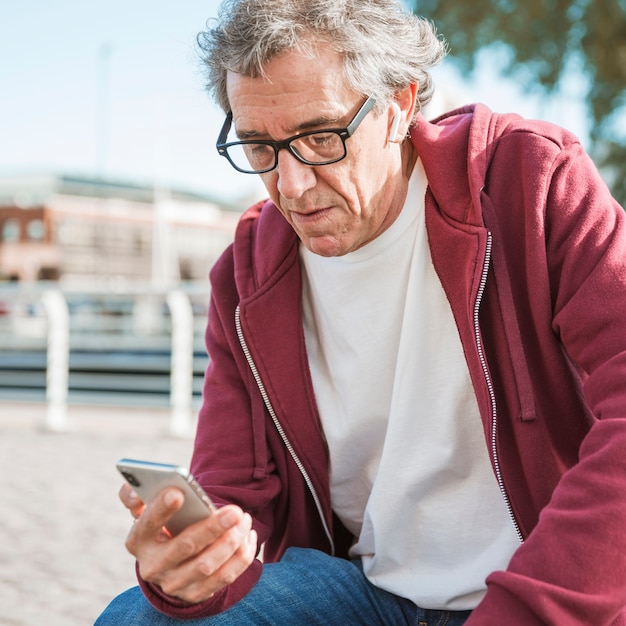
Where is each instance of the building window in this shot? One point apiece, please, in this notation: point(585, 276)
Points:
point(35, 230)
point(11, 230)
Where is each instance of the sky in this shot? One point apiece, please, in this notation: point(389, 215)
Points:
point(114, 88)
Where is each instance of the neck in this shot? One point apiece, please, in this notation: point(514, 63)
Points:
point(409, 158)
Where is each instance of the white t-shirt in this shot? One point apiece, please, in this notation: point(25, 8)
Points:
point(410, 474)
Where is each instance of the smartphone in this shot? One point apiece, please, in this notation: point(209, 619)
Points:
point(148, 479)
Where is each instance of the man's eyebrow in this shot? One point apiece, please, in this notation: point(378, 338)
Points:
point(322, 120)
point(318, 122)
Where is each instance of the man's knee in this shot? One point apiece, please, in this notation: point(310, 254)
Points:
point(124, 609)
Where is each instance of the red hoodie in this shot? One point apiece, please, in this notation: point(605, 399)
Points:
point(530, 248)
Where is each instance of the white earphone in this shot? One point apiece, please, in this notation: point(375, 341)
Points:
point(395, 123)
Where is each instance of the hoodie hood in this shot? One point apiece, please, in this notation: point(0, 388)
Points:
point(459, 146)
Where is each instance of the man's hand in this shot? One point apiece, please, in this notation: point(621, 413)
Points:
point(199, 561)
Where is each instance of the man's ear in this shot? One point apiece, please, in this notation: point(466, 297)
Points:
point(403, 107)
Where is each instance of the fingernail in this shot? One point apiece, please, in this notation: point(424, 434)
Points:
point(171, 498)
point(246, 521)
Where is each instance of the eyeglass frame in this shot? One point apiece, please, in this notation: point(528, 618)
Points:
point(343, 133)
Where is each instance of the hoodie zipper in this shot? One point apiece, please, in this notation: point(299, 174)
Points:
point(279, 427)
point(492, 395)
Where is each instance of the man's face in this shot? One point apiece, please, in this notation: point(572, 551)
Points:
point(334, 208)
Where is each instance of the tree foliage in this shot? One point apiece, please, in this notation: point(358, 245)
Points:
point(546, 41)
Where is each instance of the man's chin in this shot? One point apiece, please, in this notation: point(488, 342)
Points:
point(325, 245)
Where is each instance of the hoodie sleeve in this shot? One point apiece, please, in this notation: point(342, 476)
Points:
point(230, 458)
point(571, 569)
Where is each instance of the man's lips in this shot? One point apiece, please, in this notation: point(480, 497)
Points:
point(309, 215)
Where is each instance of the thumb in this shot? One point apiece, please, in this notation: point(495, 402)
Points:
point(160, 509)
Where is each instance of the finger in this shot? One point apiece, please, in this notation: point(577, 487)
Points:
point(199, 536)
point(239, 562)
point(224, 548)
point(176, 567)
point(131, 500)
point(159, 510)
point(223, 536)
point(218, 566)
point(147, 538)
point(156, 514)
point(227, 574)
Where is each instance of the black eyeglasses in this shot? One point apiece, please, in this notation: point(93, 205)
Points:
point(316, 147)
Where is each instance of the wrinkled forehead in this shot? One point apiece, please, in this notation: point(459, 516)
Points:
point(313, 67)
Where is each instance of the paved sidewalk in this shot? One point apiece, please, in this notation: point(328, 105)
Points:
point(62, 528)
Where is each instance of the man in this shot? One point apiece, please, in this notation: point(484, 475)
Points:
point(415, 400)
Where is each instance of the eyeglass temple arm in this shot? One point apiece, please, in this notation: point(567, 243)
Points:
point(225, 129)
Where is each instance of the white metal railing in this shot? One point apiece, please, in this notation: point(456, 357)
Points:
point(57, 359)
point(181, 369)
point(182, 328)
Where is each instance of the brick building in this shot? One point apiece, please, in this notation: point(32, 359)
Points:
point(79, 228)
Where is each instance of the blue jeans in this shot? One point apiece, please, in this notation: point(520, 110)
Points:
point(305, 588)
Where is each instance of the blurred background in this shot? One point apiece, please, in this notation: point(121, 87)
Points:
point(114, 205)
point(112, 192)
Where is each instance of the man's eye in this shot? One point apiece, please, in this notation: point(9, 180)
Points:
point(322, 139)
point(259, 149)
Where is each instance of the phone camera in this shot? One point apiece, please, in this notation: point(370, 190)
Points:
point(131, 479)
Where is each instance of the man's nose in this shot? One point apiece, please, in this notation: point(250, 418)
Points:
point(294, 177)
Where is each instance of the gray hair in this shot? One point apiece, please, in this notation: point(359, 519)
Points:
point(385, 48)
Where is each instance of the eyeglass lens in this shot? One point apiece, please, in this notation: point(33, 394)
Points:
point(317, 148)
